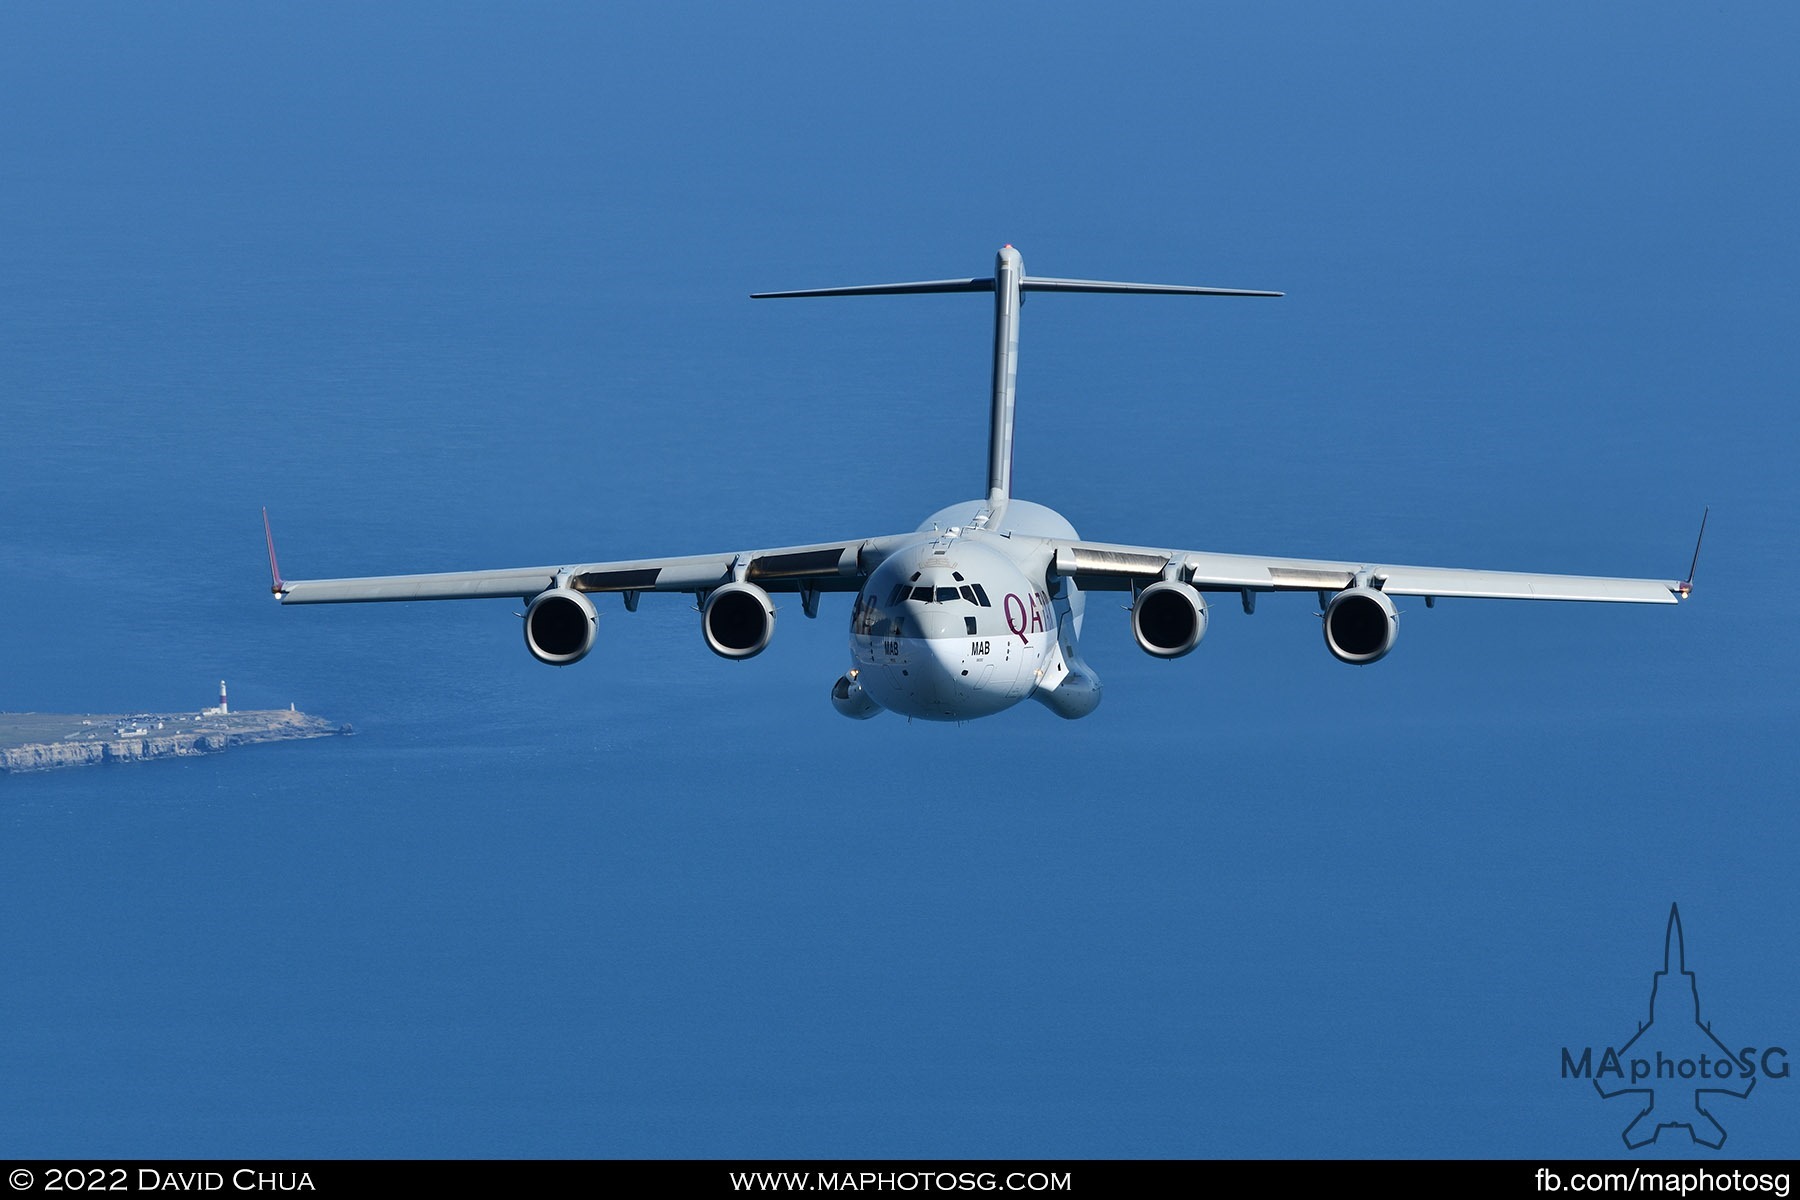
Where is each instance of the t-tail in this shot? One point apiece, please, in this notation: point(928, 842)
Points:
point(1009, 283)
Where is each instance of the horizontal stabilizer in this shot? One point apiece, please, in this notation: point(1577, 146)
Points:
point(1032, 283)
point(887, 289)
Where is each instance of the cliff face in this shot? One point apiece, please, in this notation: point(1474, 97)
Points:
point(245, 729)
point(45, 757)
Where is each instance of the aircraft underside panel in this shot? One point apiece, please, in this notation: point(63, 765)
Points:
point(945, 679)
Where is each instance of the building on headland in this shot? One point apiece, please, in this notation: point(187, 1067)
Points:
point(224, 709)
point(43, 741)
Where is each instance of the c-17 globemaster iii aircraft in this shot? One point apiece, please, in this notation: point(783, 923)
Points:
point(981, 606)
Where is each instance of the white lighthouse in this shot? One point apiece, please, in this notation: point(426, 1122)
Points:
point(223, 707)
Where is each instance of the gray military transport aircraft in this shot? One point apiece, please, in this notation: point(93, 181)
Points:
point(981, 606)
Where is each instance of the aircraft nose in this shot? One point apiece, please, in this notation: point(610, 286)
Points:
point(947, 657)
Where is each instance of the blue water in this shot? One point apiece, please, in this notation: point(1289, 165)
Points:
point(456, 291)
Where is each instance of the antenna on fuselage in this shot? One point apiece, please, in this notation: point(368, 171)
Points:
point(1008, 285)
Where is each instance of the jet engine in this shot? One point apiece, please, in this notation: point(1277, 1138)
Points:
point(560, 627)
point(738, 620)
point(1360, 625)
point(848, 697)
point(1168, 619)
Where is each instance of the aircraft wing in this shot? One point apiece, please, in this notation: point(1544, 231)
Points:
point(1104, 567)
point(822, 567)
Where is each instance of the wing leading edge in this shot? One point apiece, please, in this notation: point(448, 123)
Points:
point(822, 567)
point(1105, 567)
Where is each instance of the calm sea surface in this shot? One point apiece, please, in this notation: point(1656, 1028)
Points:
point(662, 905)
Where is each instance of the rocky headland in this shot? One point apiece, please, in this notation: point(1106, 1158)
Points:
point(48, 741)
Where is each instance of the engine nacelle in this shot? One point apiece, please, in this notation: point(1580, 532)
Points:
point(1168, 619)
point(560, 627)
point(848, 697)
point(1360, 625)
point(738, 620)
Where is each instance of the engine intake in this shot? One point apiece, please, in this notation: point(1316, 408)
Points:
point(1360, 625)
point(560, 627)
point(1168, 619)
point(738, 620)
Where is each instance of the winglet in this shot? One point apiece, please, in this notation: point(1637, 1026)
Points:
point(1686, 587)
point(276, 585)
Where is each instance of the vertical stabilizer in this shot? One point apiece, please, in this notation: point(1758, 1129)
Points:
point(1009, 274)
point(1008, 285)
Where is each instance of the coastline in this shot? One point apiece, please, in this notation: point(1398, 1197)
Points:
point(31, 742)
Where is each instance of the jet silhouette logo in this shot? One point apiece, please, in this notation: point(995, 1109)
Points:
point(1674, 1063)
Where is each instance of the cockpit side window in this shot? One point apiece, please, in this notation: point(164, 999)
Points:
point(981, 596)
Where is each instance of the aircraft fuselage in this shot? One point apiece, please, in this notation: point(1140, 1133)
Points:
point(963, 623)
